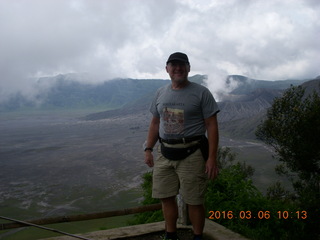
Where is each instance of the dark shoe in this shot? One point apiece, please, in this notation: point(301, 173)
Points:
point(197, 238)
point(165, 238)
point(170, 236)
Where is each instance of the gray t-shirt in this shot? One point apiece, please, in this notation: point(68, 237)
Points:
point(182, 112)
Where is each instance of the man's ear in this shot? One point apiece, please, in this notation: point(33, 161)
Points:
point(189, 68)
point(167, 69)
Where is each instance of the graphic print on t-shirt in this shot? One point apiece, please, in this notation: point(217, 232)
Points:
point(173, 120)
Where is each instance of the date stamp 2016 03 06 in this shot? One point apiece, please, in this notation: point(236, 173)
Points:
point(215, 215)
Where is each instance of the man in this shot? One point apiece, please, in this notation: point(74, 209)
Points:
point(183, 112)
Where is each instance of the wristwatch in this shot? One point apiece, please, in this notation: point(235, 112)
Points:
point(145, 148)
point(150, 149)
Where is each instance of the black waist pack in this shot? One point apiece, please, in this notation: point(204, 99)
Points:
point(177, 154)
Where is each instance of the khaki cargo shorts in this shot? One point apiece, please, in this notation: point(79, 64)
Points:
point(187, 175)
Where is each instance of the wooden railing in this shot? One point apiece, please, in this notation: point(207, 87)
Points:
point(82, 217)
point(182, 208)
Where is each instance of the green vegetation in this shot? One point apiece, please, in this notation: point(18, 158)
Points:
point(292, 128)
point(233, 201)
point(147, 217)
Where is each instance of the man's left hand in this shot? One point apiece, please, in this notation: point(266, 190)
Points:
point(212, 169)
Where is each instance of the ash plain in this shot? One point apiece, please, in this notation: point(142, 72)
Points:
point(56, 164)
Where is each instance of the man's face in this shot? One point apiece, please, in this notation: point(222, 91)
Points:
point(178, 71)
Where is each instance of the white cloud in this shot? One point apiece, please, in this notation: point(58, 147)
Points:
point(133, 38)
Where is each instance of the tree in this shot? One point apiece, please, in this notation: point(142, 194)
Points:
point(292, 128)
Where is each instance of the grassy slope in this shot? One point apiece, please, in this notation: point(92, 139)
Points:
point(31, 233)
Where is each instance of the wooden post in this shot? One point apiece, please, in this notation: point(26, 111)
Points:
point(183, 211)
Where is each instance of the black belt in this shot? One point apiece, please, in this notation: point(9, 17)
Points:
point(181, 140)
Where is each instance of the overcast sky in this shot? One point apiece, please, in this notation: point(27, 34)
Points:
point(270, 40)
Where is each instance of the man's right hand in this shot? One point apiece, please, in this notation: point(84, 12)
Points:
point(148, 158)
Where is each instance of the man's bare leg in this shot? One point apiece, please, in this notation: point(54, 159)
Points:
point(197, 218)
point(170, 213)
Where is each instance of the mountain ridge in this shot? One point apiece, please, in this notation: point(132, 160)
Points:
point(244, 99)
point(242, 108)
point(239, 115)
point(71, 91)
point(240, 118)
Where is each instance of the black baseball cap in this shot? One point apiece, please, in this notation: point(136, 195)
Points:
point(178, 56)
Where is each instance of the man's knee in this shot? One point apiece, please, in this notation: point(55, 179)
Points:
point(168, 200)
